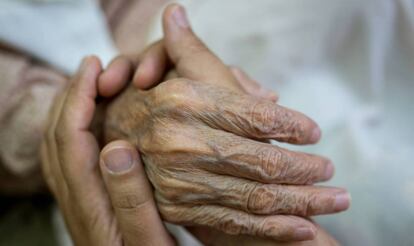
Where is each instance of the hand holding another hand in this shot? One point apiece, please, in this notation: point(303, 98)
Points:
point(201, 138)
point(114, 206)
point(117, 209)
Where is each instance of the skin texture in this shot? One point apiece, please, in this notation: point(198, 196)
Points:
point(205, 175)
point(206, 235)
point(203, 141)
point(115, 206)
point(96, 206)
point(216, 238)
point(200, 143)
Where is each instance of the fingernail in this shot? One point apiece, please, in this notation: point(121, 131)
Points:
point(180, 17)
point(118, 160)
point(316, 135)
point(304, 233)
point(342, 201)
point(329, 171)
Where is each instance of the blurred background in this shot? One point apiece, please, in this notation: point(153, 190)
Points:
point(347, 64)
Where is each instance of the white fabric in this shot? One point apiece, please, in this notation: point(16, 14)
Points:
point(60, 32)
point(349, 65)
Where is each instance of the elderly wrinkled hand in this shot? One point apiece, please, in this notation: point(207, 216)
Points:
point(203, 141)
point(97, 206)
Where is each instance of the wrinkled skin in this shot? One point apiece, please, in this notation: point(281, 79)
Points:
point(204, 145)
point(202, 155)
point(198, 167)
point(97, 207)
point(90, 201)
point(216, 238)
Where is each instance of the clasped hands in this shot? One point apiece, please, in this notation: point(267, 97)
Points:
point(202, 130)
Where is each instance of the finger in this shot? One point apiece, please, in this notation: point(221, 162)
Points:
point(80, 102)
point(262, 119)
point(251, 86)
point(258, 198)
point(72, 130)
point(265, 163)
point(131, 196)
point(234, 222)
point(303, 201)
point(191, 57)
point(77, 154)
point(49, 150)
point(115, 77)
point(225, 153)
point(251, 117)
point(152, 67)
point(216, 238)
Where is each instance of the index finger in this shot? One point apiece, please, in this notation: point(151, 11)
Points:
point(77, 146)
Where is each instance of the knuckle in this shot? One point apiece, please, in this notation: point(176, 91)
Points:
point(307, 207)
point(175, 96)
point(282, 229)
point(176, 87)
point(307, 170)
point(274, 199)
point(297, 131)
point(271, 229)
point(279, 166)
point(272, 164)
point(294, 127)
point(268, 120)
point(288, 202)
point(261, 200)
point(263, 119)
point(234, 224)
point(128, 201)
point(174, 143)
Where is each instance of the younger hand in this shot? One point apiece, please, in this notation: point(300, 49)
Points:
point(110, 203)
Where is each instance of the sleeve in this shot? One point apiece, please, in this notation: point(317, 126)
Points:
point(27, 90)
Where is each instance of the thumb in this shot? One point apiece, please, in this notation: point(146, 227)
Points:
point(131, 196)
point(189, 54)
